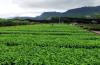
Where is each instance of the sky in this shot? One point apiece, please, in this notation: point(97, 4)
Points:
point(32, 8)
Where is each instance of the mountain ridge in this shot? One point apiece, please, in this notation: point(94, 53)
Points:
point(77, 12)
point(89, 11)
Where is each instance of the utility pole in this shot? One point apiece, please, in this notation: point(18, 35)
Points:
point(59, 23)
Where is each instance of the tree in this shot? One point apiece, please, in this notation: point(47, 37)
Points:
point(97, 17)
point(16, 18)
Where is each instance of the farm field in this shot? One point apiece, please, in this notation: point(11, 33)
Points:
point(44, 45)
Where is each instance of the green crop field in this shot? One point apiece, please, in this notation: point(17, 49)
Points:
point(44, 45)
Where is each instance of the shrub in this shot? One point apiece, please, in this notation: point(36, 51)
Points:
point(6, 22)
point(21, 22)
point(32, 23)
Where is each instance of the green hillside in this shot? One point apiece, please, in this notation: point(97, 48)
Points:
point(78, 12)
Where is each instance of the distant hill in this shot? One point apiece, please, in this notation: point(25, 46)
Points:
point(77, 12)
point(23, 18)
point(9, 18)
point(83, 11)
point(46, 15)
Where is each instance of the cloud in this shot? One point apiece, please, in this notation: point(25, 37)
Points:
point(53, 5)
point(37, 7)
point(27, 14)
point(32, 14)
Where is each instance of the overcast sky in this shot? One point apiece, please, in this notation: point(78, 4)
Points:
point(32, 8)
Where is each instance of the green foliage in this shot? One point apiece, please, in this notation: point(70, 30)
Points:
point(8, 22)
point(21, 22)
point(55, 18)
point(44, 45)
point(97, 16)
point(16, 18)
point(4, 22)
point(90, 26)
point(32, 23)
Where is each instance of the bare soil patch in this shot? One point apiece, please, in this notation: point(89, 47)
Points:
point(97, 32)
point(92, 31)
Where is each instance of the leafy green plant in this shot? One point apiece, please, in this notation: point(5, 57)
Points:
point(44, 45)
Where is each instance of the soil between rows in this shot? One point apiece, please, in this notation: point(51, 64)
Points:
point(92, 31)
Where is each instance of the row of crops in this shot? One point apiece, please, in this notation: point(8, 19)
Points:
point(45, 45)
point(90, 26)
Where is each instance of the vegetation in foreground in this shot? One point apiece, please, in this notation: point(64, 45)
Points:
point(45, 45)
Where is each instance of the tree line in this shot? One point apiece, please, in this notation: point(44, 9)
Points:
point(83, 19)
point(17, 21)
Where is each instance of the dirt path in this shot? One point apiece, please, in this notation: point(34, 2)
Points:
point(92, 31)
point(97, 32)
